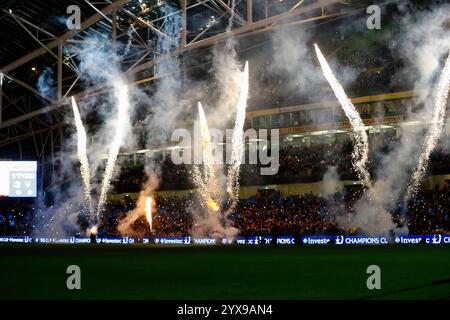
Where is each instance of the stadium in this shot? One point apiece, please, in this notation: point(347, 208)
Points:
point(224, 149)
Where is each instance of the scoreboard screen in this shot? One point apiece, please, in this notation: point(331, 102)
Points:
point(18, 178)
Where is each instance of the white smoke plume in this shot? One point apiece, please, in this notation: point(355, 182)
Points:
point(425, 40)
point(293, 63)
point(167, 101)
point(46, 83)
point(228, 77)
point(330, 182)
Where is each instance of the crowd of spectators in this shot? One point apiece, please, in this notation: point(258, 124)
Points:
point(298, 162)
point(429, 211)
point(372, 70)
point(292, 215)
point(309, 214)
point(314, 160)
point(262, 214)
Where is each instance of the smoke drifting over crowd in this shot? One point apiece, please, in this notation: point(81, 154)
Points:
point(423, 49)
point(435, 130)
point(115, 110)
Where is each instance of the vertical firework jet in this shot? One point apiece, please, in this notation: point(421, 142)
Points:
point(205, 176)
point(82, 156)
point(208, 159)
point(434, 132)
point(238, 142)
point(123, 106)
point(360, 153)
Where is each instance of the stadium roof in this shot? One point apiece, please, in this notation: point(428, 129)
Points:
point(34, 38)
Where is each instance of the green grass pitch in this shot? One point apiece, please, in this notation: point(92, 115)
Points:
point(224, 272)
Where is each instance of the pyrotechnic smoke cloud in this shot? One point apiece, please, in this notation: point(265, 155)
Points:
point(46, 83)
point(228, 76)
point(330, 182)
point(293, 63)
point(425, 39)
point(167, 101)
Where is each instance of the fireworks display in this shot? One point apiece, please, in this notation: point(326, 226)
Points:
point(204, 175)
point(224, 150)
point(134, 115)
point(82, 156)
point(361, 149)
point(435, 130)
point(123, 107)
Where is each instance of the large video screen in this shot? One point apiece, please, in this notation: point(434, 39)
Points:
point(18, 179)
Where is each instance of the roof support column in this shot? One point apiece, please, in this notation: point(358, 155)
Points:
point(266, 8)
point(59, 75)
point(114, 31)
point(1, 98)
point(249, 11)
point(184, 23)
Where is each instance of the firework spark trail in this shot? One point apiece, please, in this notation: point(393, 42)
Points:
point(360, 153)
point(434, 132)
point(123, 106)
point(230, 20)
point(237, 152)
point(82, 156)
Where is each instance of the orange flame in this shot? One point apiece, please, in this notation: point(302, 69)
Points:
point(212, 205)
point(93, 230)
point(148, 211)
